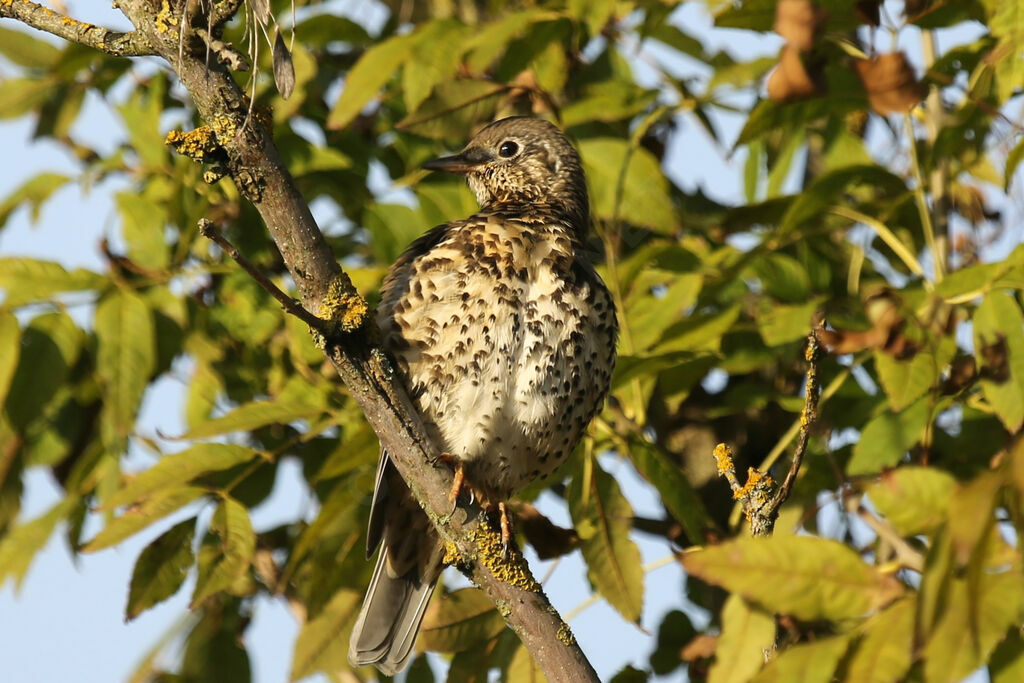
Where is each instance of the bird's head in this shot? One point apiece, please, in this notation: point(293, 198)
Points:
point(522, 160)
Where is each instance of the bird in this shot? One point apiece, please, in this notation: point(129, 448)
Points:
point(505, 337)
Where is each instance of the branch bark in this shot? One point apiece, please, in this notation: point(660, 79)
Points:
point(117, 43)
point(351, 340)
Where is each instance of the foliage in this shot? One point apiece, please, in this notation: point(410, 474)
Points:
point(919, 441)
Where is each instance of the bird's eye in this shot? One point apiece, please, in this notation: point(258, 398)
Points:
point(508, 149)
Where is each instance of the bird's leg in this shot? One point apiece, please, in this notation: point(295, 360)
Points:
point(506, 526)
point(458, 476)
point(458, 480)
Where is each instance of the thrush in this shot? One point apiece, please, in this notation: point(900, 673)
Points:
point(505, 337)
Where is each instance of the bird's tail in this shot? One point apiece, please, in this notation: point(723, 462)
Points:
point(390, 618)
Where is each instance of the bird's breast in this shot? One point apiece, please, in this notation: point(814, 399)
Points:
point(500, 345)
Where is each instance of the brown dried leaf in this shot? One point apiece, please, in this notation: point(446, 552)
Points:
point(284, 69)
point(546, 537)
point(793, 79)
point(867, 11)
point(890, 82)
point(799, 22)
point(701, 647)
point(261, 10)
point(886, 332)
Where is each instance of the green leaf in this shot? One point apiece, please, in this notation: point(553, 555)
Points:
point(323, 29)
point(19, 545)
point(19, 96)
point(50, 346)
point(914, 500)
point(490, 41)
point(784, 323)
point(432, 60)
point(886, 439)
point(177, 469)
point(138, 517)
point(747, 633)
point(699, 332)
point(1006, 22)
point(251, 416)
point(1013, 160)
point(161, 568)
point(971, 514)
point(453, 108)
point(677, 494)
point(954, 650)
point(807, 577)
point(25, 50)
point(142, 224)
point(141, 116)
point(10, 350)
point(905, 381)
point(368, 76)
point(322, 644)
point(523, 668)
point(1007, 663)
point(25, 280)
point(602, 517)
point(33, 192)
point(782, 276)
point(884, 649)
point(458, 621)
point(231, 560)
point(593, 13)
point(125, 359)
point(627, 183)
point(999, 350)
point(826, 189)
point(805, 663)
point(659, 299)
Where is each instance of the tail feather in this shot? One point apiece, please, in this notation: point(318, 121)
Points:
point(387, 625)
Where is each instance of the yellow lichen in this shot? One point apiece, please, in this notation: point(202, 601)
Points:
point(224, 127)
point(723, 459)
point(508, 568)
point(164, 19)
point(757, 492)
point(197, 144)
point(565, 634)
point(343, 305)
point(451, 554)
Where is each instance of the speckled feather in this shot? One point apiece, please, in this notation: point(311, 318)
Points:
point(505, 336)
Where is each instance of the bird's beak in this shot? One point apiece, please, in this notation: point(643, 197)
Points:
point(465, 161)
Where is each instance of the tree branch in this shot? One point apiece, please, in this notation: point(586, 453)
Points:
point(352, 345)
point(117, 43)
point(760, 501)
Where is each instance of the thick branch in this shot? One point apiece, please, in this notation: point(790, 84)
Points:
point(257, 169)
point(131, 44)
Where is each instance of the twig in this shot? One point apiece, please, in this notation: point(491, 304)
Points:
point(759, 502)
point(209, 231)
point(808, 416)
point(907, 556)
point(117, 43)
point(225, 52)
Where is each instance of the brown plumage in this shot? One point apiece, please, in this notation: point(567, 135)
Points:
point(505, 336)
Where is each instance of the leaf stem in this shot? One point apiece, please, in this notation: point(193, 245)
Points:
point(887, 236)
point(922, 202)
